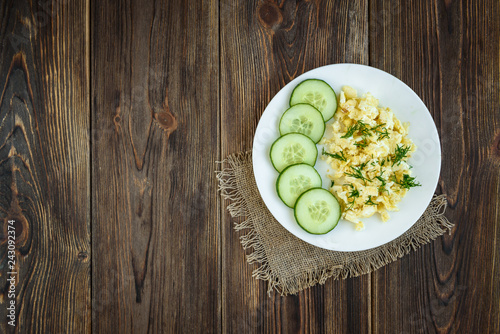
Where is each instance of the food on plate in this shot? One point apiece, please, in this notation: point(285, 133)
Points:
point(317, 93)
point(291, 149)
point(294, 180)
point(317, 211)
point(303, 118)
point(368, 149)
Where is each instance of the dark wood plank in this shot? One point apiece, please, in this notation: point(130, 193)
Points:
point(155, 231)
point(44, 166)
point(264, 45)
point(448, 52)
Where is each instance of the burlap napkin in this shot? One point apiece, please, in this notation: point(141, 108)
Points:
point(290, 264)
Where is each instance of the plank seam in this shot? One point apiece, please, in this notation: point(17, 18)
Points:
point(88, 44)
point(219, 158)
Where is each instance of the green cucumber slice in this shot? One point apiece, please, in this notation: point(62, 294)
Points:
point(318, 94)
point(294, 180)
point(317, 211)
point(303, 118)
point(291, 149)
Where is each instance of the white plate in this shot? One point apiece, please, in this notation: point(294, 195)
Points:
point(426, 161)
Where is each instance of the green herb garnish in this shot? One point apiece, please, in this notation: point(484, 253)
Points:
point(369, 201)
point(350, 131)
point(381, 131)
point(406, 182)
point(362, 143)
point(353, 194)
point(366, 131)
point(339, 156)
point(383, 134)
point(376, 127)
point(400, 153)
point(363, 128)
point(382, 189)
point(380, 179)
point(357, 172)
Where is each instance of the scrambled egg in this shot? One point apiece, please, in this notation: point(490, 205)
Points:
point(368, 151)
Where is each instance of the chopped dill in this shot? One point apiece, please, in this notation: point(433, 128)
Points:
point(357, 172)
point(383, 134)
point(380, 179)
point(363, 128)
point(382, 189)
point(400, 153)
point(353, 194)
point(369, 201)
point(406, 182)
point(350, 131)
point(338, 156)
point(366, 131)
point(376, 127)
point(362, 143)
point(381, 131)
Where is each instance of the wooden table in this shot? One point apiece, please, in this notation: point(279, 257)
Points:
point(113, 113)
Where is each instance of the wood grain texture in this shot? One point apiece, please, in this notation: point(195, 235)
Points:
point(44, 166)
point(264, 45)
point(155, 231)
point(448, 52)
point(113, 113)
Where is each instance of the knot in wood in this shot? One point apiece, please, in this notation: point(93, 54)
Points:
point(166, 121)
point(269, 15)
point(82, 256)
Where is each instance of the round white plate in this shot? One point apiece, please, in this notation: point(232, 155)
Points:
point(426, 161)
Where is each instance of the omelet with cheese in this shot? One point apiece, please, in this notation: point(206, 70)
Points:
point(368, 149)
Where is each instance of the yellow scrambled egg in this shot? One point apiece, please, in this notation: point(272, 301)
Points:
point(368, 151)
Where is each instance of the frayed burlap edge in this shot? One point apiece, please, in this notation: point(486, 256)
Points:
point(337, 265)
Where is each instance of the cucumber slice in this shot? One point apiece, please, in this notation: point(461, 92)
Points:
point(317, 211)
point(303, 118)
point(294, 180)
point(318, 94)
point(291, 149)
